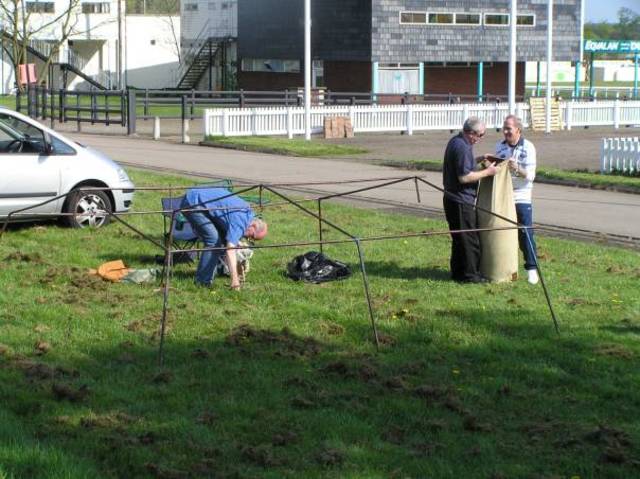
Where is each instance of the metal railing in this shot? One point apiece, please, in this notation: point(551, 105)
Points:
point(190, 55)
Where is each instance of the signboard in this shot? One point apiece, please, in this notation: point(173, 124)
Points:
point(612, 46)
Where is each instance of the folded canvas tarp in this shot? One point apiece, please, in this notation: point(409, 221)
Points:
point(499, 260)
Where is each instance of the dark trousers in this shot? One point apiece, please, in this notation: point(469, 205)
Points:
point(465, 247)
point(524, 213)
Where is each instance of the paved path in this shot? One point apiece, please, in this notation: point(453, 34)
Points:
point(591, 210)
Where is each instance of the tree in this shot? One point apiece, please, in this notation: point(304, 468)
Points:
point(20, 30)
point(627, 28)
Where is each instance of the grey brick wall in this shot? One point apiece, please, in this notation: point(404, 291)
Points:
point(393, 42)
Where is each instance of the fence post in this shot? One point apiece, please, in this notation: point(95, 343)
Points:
point(254, 122)
point(352, 116)
point(44, 103)
point(603, 155)
point(225, 121)
point(409, 119)
point(145, 108)
point(185, 122)
point(616, 114)
point(569, 115)
point(465, 113)
point(61, 101)
point(241, 98)
point(289, 123)
point(131, 111)
point(156, 127)
point(193, 104)
point(18, 100)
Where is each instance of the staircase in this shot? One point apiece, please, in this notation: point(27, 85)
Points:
point(75, 64)
point(195, 65)
point(538, 107)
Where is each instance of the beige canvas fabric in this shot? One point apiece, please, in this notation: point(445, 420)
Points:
point(499, 260)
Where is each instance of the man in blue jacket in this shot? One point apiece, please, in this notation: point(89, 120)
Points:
point(460, 178)
point(220, 219)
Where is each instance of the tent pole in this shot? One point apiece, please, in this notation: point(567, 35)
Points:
point(365, 281)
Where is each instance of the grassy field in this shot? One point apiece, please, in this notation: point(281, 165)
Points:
point(584, 178)
point(284, 146)
point(281, 379)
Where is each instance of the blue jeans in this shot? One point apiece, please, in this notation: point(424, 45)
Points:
point(208, 233)
point(524, 214)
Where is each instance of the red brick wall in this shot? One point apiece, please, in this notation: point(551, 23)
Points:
point(347, 76)
point(464, 80)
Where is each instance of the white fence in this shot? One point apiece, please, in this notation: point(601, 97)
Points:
point(620, 155)
point(408, 118)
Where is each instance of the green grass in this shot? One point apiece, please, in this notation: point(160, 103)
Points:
point(284, 146)
point(582, 178)
point(471, 381)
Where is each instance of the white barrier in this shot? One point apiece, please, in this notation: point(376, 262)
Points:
point(408, 118)
point(620, 155)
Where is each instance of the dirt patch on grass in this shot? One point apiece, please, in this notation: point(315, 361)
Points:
point(33, 258)
point(614, 350)
point(67, 392)
point(285, 343)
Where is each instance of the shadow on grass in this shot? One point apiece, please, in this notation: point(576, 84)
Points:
point(254, 402)
point(391, 269)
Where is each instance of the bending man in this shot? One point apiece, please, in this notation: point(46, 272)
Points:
point(460, 179)
point(522, 162)
point(220, 218)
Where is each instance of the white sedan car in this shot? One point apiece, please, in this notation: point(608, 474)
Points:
point(38, 164)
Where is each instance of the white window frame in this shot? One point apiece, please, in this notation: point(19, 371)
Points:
point(494, 25)
point(455, 20)
point(527, 15)
point(426, 17)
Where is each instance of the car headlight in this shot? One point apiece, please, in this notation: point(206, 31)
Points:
point(122, 175)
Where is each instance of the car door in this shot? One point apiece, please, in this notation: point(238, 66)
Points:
point(28, 175)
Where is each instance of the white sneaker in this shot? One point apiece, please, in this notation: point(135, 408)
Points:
point(532, 276)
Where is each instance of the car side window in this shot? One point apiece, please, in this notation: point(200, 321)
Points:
point(17, 136)
point(61, 148)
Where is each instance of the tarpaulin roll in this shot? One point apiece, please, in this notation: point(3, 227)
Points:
point(499, 260)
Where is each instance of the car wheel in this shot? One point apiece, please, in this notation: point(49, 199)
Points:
point(88, 209)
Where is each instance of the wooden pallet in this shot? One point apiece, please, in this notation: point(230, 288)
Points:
point(539, 114)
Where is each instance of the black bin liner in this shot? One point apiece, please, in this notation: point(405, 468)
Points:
point(314, 267)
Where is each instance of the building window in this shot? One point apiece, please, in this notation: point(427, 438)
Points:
point(440, 18)
point(95, 7)
point(40, 7)
point(412, 18)
point(190, 7)
point(496, 19)
point(526, 20)
point(467, 19)
point(272, 66)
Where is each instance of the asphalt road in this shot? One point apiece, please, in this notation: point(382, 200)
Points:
point(602, 212)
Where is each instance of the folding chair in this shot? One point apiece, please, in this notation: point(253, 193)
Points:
point(183, 235)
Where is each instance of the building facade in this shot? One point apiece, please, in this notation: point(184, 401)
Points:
point(105, 46)
point(398, 46)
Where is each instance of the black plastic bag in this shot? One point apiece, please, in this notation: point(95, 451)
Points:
point(314, 267)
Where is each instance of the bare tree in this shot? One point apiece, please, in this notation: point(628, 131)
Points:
point(20, 31)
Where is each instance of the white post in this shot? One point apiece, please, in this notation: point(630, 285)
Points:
point(307, 69)
point(409, 120)
point(225, 121)
point(156, 127)
point(549, 62)
point(569, 117)
point(185, 132)
point(289, 123)
point(603, 156)
point(254, 122)
point(616, 114)
point(512, 58)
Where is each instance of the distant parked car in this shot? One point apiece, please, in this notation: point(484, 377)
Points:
point(37, 164)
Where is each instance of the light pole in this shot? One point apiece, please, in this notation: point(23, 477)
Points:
point(549, 63)
point(512, 58)
point(307, 69)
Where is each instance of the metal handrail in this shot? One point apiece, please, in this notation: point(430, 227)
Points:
point(192, 53)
